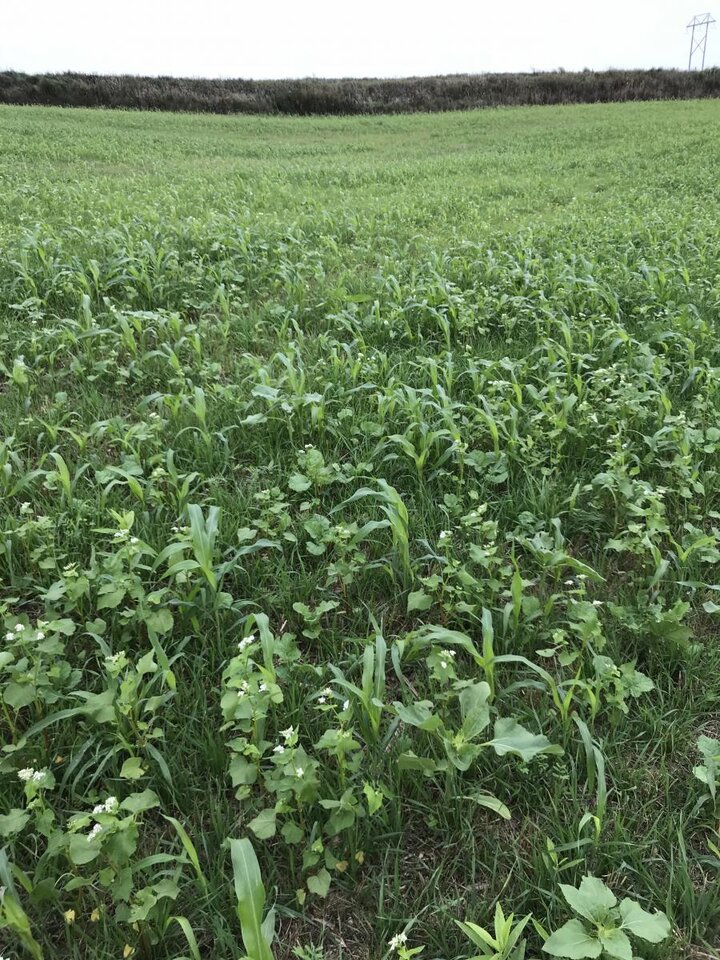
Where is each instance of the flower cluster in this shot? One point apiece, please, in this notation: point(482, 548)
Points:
point(29, 775)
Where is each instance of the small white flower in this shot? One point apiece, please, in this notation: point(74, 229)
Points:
point(262, 688)
point(327, 692)
point(40, 635)
point(134, 540)
point(119, 534)
point(287, 734)
point(19, 627)
point(26, 774)
point(569, 583)
point(246, 642)
point(95, 831)
point(399, 940)
point(444, 534)
point(322, 699)
point(346, 705)
point(243, 689)
point(38, 776)
point(279, 749)
point(299, 772)
point(597, 603)
point(10, 636)
point(448, 653)
point(443, 664)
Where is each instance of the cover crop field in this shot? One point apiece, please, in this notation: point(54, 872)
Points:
point(359, 535)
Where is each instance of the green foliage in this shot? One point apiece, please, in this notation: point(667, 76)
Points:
point(503, 943)
point(605, 924)
point(358, 495)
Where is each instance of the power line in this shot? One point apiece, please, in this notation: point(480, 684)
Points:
point(701, 24)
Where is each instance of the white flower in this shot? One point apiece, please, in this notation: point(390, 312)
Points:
point(597, 603)
point(38, 776)
point(299, 772)
point(287, 734)
point(2, 897)
point(134, 540)
point(244, 687)
point(448, 653)
point(279, 749)
point(322, 699)
point(399, 940)
point(444, 534)
point(262, 688)
point(9, 637)
point(107, 807)
point(569, 583)
point(19, 627)
point(40, 635)
point(346, 705)
point(119, 534)
point(246, 642)
point(327, 692)
point(95, 831)
point(26, 774)
point(114, 657)
point(443, 664)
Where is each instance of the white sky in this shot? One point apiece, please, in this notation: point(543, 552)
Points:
point(337, 38)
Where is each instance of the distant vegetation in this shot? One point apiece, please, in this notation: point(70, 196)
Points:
point(317, 96)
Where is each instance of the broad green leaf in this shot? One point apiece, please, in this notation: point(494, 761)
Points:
point(474, 709)
point(81, 850)
point(653, 927)
point(264, 824)
point(573, 942)
point(409, 761)
point(13, 822)
point(140, 802)
point(132, 769)
point(592, 900)
point(616, 944)
point(319, 884)
point(511, 737)
point(418, 715)
point(250, 894)
point(418, 600)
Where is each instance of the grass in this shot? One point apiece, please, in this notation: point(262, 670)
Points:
point(449, 381)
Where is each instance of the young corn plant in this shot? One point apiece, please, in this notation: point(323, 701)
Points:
point(503, 943)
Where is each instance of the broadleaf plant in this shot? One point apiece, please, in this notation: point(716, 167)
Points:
point(605, 924)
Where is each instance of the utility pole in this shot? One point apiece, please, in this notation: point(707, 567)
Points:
point(701, 24)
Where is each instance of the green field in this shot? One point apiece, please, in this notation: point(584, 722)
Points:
point(359, 496)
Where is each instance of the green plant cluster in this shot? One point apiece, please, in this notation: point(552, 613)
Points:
point(357, 579)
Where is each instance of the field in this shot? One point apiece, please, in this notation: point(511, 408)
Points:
point(359, 508)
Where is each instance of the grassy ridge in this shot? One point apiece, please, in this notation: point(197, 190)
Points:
point(355, 96)
point(307, 421)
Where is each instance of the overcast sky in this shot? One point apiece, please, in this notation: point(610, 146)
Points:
point(336, 38)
